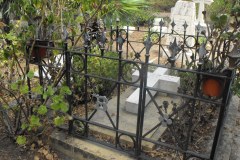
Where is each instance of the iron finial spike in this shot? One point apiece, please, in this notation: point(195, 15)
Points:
point(185, 25)
point(198, 27)
point(173, 24)
point(161, 23)
point(148, 44)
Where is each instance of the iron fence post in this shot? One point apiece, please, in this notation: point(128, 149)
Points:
point(68, 83)
point(27, 70)
point(85, 88)
point(184, 43)
point(225, 101)
point(160, 40)
point(142, 96)
point(118, 93)
point(192, 109)
point(127, 41)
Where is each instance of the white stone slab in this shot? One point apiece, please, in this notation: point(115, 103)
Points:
point(169, 83)
point(157, 29)
point(131, 29)
point(157, 79)
point(157, 21)
point(159, 71)
point(131, 104)
point(59, 62)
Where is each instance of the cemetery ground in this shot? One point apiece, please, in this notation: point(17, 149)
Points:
point(40, 150)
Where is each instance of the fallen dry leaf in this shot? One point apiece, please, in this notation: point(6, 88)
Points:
point(36, 157)
point(49, 156)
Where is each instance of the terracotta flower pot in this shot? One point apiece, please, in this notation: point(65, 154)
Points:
point(212, 86)
point(39, 52)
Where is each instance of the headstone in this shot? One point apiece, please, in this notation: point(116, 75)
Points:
point(201, 7)
point(183, 14)
point(184, 11)
point(157, 79)
point(200, 19)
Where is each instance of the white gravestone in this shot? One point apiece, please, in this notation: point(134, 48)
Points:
point(156, 26)
point(184, 11)
point(159, 80)
point(202, 3)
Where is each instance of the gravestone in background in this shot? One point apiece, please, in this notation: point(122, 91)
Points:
point(201, 8)
point(200, 16)
point(183, 12)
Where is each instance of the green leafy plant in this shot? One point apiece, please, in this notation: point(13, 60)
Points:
point(102, 67)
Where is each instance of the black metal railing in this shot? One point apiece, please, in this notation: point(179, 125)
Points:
point(96, 84)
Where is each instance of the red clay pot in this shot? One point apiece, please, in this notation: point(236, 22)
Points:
point(39, 52)
point(212, 86)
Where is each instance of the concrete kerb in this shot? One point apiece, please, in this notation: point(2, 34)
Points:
point(224, 147)
point(80, 149)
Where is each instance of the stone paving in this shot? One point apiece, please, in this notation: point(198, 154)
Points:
point(229, 141)
point(235, 153)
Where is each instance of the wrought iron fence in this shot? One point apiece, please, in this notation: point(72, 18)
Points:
point(101, 79)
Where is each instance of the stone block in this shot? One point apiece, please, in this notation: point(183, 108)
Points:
point(131, 104)
point(157, 79)
point(159, 71)
point(169, 83)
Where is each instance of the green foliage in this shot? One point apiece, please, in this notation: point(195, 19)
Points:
point(103, 67)
point(128, 11)
point(187, 82)
point(42, 110)
point(219, 7)
point(219, 21)
point(21, 140)
point(24, 126)
point(65, 90)
point(48, 93)
point(30, 74)
point(162, 5)
point(34, 121)
point(37, 89)
point(58, 121)
point(24, 89)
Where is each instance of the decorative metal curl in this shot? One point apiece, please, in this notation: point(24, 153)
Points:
point(165, 120)
point(148, 44)
point(101, 103)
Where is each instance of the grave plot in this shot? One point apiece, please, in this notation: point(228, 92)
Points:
point(129, 103)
